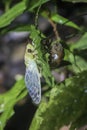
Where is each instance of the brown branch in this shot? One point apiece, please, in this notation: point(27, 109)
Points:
point(54, 25)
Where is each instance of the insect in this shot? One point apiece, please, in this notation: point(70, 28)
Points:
point(32, 75)
point(57, 54)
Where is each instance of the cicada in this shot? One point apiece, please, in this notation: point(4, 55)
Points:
point(32, 75)
point(57, 54)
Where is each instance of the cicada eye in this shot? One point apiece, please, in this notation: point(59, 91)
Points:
point(29, 50)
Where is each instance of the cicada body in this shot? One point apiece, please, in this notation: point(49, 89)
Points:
point(32, 75)
point(57, 53)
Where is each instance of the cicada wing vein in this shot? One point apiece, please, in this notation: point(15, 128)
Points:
point(32, 81)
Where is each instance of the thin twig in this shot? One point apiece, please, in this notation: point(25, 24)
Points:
point(54, 25)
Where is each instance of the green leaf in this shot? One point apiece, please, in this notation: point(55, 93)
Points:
point(35, 36)
point(61, 20)
point(78, 63)
point(67, 106)
point(21, 28)
point(17, 10)
point(78, 55)
point(9, 99)
point(35, 3)
point(81, 44)
point(11, 14)
point(45, 69)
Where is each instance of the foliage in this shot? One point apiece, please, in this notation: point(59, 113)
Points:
point(77, 56)
point(59, 19)
point(45, 70)
point(9, 99)
point(67, 101)
point(66, 106)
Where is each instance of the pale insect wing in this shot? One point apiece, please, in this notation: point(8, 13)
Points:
point(32, 81)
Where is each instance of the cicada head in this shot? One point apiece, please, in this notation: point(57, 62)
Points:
point(30, 54)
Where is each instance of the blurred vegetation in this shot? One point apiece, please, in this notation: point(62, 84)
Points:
point(76, 1)
point(62, 103)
